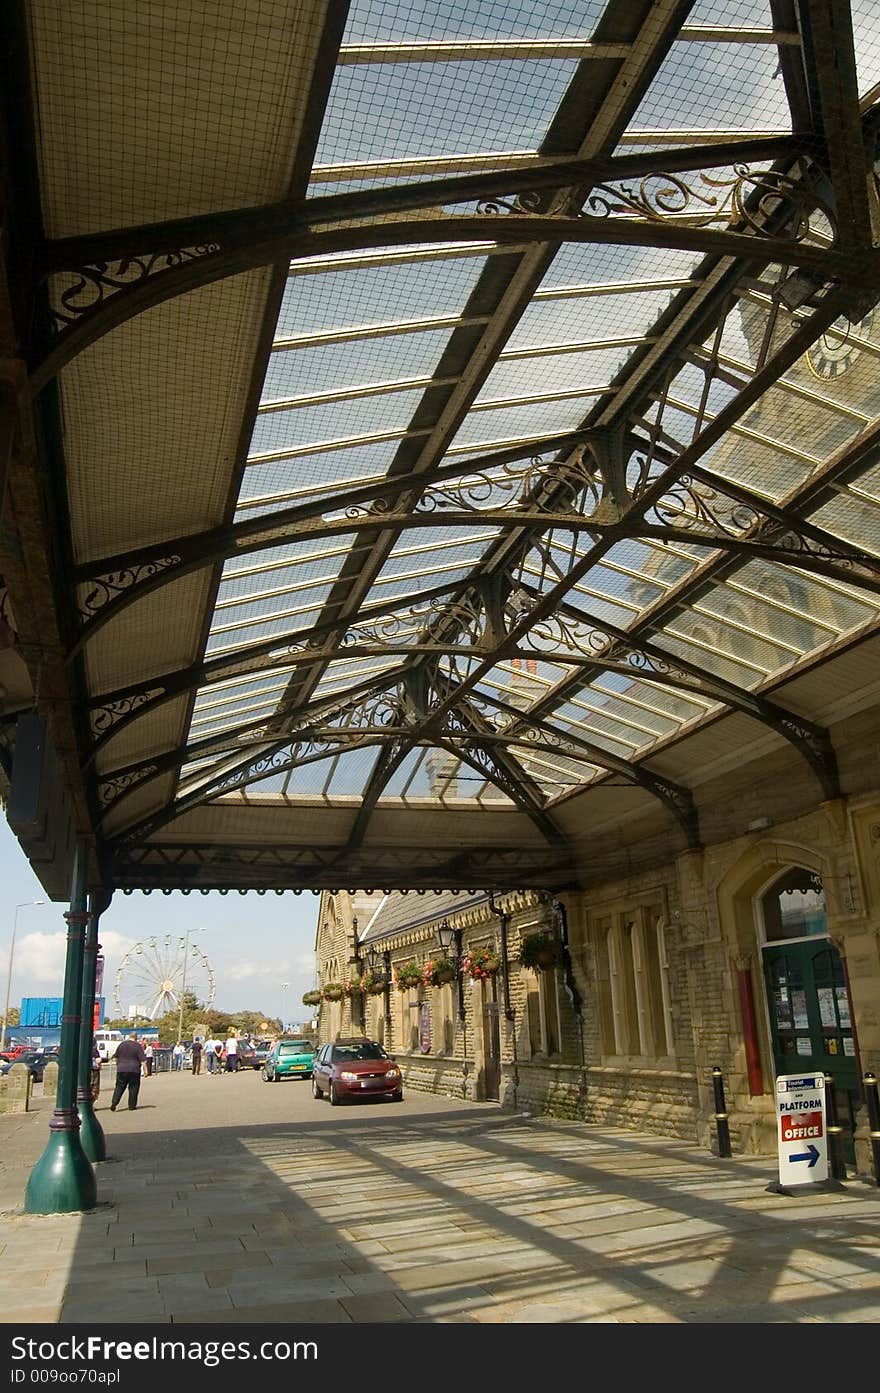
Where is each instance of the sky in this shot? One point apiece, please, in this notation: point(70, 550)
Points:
point(252, 942)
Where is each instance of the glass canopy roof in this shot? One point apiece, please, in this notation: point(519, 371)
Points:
point(522, 507)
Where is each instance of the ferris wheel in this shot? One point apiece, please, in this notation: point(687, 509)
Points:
point(156, 973)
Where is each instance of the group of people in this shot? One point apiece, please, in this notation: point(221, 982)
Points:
point(134, 1060)
point(220, 1055)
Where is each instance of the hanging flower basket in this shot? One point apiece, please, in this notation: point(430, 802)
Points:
point(311, 998)
point(409, 975)
point(542, 951)
point(333, 991)
point(480, 963)
point(438, 971)
point(374, 983)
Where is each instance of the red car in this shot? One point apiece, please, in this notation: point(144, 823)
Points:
point(357, 1068)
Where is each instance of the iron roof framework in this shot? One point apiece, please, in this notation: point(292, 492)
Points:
point(544, 456)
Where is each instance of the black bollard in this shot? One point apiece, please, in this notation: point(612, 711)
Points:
point(836, 1163)
point(721, 1126)
point(870, 1082)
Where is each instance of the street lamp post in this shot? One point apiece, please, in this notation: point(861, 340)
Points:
point(200, 930)
point(27, 905)
point(284, 987)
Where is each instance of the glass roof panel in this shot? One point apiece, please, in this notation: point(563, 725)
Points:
point(361, 337)
point(867, 44)
point(392, 357)
point(560, 376)
point(267, 487)
point(343, 297)
point(590, 264)
point(340, 420)
point(506, 425)
point(588, 318)
point(345, 673)
point(707, 86)
point(349, 773)
point(414, 110)
point(399, 21)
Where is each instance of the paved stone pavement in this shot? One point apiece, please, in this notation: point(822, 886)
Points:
point(227, 1199)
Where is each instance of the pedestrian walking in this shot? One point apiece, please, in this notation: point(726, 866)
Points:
point(129, 1058)
point(197, 1056)
point(231, 1054)
point(148, 1058)
point(177, 1056)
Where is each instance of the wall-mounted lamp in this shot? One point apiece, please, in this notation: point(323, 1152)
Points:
point(449, 941)
point(379, 960)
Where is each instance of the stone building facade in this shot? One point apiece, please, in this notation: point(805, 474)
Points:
point(758, 953)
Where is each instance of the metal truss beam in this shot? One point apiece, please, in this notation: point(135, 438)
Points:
point(826, 27)
point(785, 355)
point(838, 562)
point(111, 712)
point(675, 797)
point(117, 581)
point(241, 227)
point(802, 544)
point(858, 268)
point(589, 121)
point(635, 656)
point(169, 866)
point(116, 784)
point(812, 741)
point(787, 723)
point(493, 760)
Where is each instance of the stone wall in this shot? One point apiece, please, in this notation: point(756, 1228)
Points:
point(706, 900)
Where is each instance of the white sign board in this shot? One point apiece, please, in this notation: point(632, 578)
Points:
point(802, 1139)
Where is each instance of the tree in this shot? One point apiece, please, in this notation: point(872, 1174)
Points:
point(13, 1016)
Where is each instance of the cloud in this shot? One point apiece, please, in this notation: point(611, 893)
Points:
point(244, 972)
point(39, 960)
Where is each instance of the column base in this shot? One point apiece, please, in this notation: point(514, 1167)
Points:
point(62, 1181)
point(91, 1133)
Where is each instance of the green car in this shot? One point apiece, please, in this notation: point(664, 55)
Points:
point(289, 1059)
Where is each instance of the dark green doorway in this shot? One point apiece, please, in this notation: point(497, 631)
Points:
point(810, 1020)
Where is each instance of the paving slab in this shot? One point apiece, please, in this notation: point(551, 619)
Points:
point(444, 1211)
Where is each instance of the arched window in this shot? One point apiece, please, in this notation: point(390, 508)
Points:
point(632, 986)
point(794, 906)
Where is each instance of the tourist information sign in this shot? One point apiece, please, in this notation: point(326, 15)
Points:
point(802, 1137)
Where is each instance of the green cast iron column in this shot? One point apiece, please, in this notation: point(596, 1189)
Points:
point(63, 1180)
point(91, 1133)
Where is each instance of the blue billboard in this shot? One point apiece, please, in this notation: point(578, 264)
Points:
point(44, 1012)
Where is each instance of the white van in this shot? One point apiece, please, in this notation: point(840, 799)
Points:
point(107, 1043)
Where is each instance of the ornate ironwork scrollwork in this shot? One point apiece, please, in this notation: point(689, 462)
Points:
point(410, 624)
point(112, 788)
point(752, 198)
point(563, 632)
point(103, 718)
point(686, 504)
point(799, 545)
point(540, 484)
point(106, 588)
point(529, 203)
point(96, 283)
